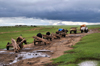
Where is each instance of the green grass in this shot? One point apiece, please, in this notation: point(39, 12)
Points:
point(87, 49)
point(24, 31)
point(27, 32)
point(93, 26)
point(12, 28)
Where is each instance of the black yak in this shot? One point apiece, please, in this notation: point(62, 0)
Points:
point(39, 35)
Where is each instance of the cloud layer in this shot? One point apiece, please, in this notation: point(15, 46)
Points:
point(65, 10)
point(12, 21)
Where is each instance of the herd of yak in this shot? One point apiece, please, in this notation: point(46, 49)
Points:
point(18, 43)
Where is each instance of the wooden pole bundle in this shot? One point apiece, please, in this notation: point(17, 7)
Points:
point(49, 36)
point(21, 42)
point(41, 39)
point(15, 45)
point(56, 35)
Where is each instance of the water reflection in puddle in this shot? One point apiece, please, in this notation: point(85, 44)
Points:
point(2, 51)
point(28, 55)
point(88, 63)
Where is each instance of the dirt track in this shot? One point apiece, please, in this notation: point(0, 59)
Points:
point(57, 48)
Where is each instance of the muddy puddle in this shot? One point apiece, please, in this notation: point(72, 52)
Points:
point(88, 63)
point(2, 51)
point(26, 55)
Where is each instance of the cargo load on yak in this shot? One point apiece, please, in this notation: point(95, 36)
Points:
point(62, 32)
point(84, 28)
point(16, 44)
point(60, 29)
point(39, 39)
point(73, 29)
point(48, 36)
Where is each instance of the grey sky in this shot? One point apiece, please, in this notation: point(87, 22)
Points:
point(64, 10)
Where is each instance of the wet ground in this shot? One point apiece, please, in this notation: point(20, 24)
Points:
point(39, 55)
point(89, 63)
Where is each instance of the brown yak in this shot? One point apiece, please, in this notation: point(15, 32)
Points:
point(19, 39)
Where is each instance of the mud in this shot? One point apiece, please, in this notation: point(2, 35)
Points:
point(40, 55)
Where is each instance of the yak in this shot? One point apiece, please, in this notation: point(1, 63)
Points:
point(39, 35)
point(19, 39)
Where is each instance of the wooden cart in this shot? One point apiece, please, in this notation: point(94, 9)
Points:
point(48, 37)
point(39, 40)
point(61, 33)
point(73, 29)
point(58, 36)
point(17, 46)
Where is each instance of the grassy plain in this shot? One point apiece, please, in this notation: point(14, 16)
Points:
point(6, 33)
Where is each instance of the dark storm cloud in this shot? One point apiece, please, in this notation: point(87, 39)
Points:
point(68, 10)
